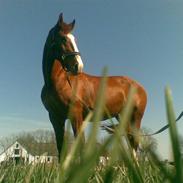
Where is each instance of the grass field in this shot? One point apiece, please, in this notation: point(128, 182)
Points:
point(82, 163)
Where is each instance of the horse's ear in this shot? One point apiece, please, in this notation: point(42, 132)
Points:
point(71, 25)
point(64, 27)
point(67, 28)
point(60, 20)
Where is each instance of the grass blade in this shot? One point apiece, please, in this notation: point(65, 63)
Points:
point(174, 136)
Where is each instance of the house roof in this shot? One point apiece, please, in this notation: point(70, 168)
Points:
point(4, 150)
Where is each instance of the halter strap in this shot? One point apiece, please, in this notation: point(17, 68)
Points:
point(65, 55)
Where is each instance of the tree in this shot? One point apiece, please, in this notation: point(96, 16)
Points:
point(6, 142)
point(34, 139)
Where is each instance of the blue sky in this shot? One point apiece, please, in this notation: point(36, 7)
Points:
point(139, 38)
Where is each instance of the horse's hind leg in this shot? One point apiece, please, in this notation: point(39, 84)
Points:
point(130, 136)
point(133, 128)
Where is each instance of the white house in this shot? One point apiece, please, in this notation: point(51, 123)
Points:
point(32, 153)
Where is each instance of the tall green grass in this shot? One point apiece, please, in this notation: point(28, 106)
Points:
point(82, 163)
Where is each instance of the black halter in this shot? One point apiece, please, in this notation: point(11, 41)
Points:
point(65, 55)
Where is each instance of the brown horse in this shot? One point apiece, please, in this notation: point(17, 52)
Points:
point(62, 70)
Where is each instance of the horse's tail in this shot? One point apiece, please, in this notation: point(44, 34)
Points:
point(110, 128)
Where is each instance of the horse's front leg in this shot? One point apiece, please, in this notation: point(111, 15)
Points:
point(59, 125)
point(58, 121)
point(76, 118)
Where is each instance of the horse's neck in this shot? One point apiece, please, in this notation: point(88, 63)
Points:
point(57, 71)
point(51, 67)
point(47, 64)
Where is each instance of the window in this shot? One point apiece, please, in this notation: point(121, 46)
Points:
point(17, 151)
point(17, 145)
point(48, 159)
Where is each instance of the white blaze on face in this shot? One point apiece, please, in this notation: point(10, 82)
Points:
point(78, 57)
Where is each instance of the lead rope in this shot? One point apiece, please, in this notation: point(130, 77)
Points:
point(111, 128)
point(165, 127)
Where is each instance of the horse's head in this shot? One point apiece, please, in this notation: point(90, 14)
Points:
point(65, 48)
